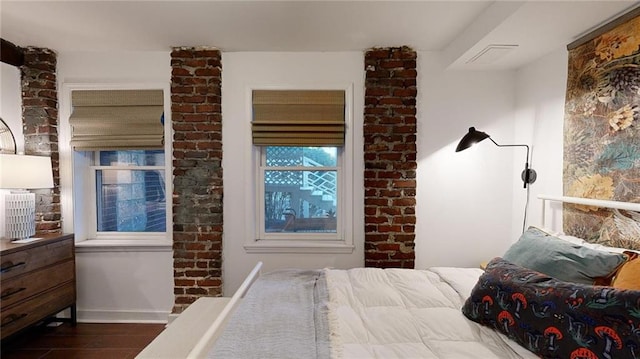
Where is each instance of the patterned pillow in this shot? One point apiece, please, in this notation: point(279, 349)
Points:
point(556, 319)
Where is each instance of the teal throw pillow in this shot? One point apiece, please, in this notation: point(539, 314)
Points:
point(561, 259)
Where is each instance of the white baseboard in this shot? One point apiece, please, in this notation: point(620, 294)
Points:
point(122, 316)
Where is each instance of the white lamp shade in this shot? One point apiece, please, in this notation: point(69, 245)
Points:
point(25, 172)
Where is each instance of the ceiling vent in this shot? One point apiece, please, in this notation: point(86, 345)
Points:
point(491, 54)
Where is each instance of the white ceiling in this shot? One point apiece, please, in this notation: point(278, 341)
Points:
point(459, 29)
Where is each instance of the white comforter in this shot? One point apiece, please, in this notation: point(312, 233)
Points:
point(399, 313)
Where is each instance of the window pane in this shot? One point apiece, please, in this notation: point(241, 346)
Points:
point(300, 201)
point(132, 157)
point(130, 201)
point(283, 156)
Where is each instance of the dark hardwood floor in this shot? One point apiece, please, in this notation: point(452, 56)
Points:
point(86, 341)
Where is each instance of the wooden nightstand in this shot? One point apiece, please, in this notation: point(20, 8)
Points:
point(37, 280)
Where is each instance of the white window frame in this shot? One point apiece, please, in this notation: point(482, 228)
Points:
point(305, 242)
point(77, 181)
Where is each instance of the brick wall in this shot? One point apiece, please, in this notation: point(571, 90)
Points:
point(197, 184)
point(40, 129)
point(390, 157)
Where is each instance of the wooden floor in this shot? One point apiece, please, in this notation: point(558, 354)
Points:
point(86, 341)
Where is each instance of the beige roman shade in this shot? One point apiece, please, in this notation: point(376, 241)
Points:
point(116, 120)
point(298, 117)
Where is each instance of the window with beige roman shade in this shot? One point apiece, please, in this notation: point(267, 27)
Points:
point(298, 117)
point(117, 120)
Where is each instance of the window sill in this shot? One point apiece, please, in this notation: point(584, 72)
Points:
point(271, 246)
point(124, 245)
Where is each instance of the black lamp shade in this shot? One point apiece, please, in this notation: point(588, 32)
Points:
point(471, 138)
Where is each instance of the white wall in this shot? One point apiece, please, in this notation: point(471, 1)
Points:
point(114, 284)
point(240, 72)
point(540, 88)
point(11, 102)
point(124, 286)
point(464, 198)
point(471, 204)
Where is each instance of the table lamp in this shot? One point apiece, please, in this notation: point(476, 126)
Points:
point(18, 173)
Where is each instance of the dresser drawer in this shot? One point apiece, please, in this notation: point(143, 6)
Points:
point(17, 263)
point(18, 288)
point(37, 308)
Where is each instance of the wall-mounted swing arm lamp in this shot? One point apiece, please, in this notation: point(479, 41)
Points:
point(474, 136)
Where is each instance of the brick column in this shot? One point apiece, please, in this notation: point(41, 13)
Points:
point(40, 129)
point(197, 183)
point(390, 157)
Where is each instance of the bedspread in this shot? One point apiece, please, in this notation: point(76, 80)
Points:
point(361, 313)
point(400, 313)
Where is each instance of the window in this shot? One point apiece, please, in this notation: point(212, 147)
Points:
point(130, 191)
point(121, 173)
point(299, 190)
point(303, 177)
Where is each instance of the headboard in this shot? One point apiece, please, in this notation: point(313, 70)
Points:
point(620, 218)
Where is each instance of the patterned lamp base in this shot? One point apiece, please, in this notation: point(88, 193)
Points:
point(19, 214)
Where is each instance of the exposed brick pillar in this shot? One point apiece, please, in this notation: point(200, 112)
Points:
point(390, 157)
point(197, 170)
point(40, 129)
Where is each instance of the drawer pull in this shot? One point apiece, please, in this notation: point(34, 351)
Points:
point(11, 291)
point(12, 318)
point(8, 266)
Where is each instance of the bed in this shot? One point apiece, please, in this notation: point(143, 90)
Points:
point(509, 310)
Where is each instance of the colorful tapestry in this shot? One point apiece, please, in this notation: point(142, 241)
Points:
point(602, 135)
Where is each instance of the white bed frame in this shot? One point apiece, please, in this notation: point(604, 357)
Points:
point(628, 206)
point(197, 328)
point(190, 335)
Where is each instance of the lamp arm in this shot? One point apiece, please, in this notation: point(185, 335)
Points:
point(528, 175)
point(499, 145)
